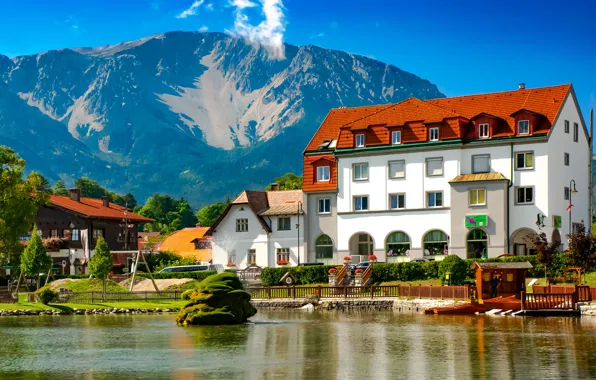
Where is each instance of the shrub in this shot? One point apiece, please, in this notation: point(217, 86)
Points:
point(431, 269)
point(46, 295)
point(169, 275)
point(176, 263)
point(316, 274)
point(187, 294)
point(456, 267)
point(160, 260)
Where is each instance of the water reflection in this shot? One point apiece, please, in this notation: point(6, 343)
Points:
point(299, 345)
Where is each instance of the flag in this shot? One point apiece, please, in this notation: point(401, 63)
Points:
point(569, 207)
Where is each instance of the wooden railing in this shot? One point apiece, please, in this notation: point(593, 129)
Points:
point(366, 276)
point(374, 291)
point(545, 301)
point(339, 278)
point(585, 293)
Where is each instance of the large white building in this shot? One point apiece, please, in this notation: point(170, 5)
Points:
point(476, 176)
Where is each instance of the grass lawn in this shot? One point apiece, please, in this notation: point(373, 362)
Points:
point(193, 284)
point(92, 285)
point(432, 281)
point(100, 305)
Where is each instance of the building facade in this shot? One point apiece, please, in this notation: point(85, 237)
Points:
point(477, 176)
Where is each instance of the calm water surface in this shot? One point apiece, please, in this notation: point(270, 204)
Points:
point(297, 344)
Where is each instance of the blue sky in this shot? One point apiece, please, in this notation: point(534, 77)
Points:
point(464, 48)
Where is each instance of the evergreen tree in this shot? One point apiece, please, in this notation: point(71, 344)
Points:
point(60, 188)
point(100, 264)
point(35, 259)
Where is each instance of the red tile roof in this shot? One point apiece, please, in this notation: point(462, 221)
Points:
point(94, 208)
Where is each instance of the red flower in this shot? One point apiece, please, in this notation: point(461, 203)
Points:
point(332, 270)
point(347, 258)
point(282, 262)
point(231, 265)
point(372, 258)
point(358, 271)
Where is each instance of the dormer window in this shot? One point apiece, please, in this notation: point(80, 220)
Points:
point(523, 127)
point(323, 173)
point(433, 134)
point(396, 137)
point(360, 140)
point(483, 131)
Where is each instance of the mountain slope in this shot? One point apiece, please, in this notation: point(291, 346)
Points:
point(199, 115)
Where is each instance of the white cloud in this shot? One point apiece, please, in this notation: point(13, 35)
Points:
point(318, 35)
point(192, 10)
point(209, 7)
point(269, 32)
point(203, 29)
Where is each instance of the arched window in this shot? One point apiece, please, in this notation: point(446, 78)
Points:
point(477, 244)
point(365, 244)
point(324, 248)
point(435, 243)
point(397, 244)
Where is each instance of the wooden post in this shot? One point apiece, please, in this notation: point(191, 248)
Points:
point(345, 291)
point(479, 284)
point(269, 292)
point(523, 300)
point(92, 297)
point(372, 292)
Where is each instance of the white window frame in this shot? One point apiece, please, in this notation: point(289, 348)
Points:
point(251, 257)
point(242, 225)
point(397, 195)
point(360, 144)
point(434, 159)
point(426, 199)
point(323, 173)
point(361, 165)
point(517, 202)
point(282, 254)
point(481, 128)
point(394, 140)
point(477, 191)
point(567, 126)
point(361, 209)
point(480, 156)
point(281, 223)
point(403, 162)
point(525, 160)
point(566, 159)
point(433, 131)
point(75, 234)
point(324, 202)
point(519, 131)
point(575, 132)
point(566, 192)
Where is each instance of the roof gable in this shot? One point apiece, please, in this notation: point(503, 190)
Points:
point(94, 208)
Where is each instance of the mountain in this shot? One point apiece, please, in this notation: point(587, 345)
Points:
point(199, 115)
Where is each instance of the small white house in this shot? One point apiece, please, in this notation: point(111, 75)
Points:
point(263, 228)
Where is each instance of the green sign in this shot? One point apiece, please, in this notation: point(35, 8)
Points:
point(557, 221)
point(476, 221)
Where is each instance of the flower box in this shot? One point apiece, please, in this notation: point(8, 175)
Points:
point(282, 262)
point(229, 265)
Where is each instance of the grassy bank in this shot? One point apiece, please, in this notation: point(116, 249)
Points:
point(88, 306)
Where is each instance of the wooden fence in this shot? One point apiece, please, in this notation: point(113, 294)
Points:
point(585, 293)
point(549, 301)
point(374, 291)
point(93, 297)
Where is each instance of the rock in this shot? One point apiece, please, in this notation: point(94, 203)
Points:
point(308, 307)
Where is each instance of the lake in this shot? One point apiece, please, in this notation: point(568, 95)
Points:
point(296, 344)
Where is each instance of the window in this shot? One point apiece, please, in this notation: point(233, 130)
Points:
point(575, 132)
point(53, 233)
point(566, 159)
point(397, 169)
point(524, 160)
point(481, 164)
point(323, 173)
point(566, 126)
point(435, 243)
point(360, 172)
point(433, 134)
point(360, 140)
point(434, 199)
point(365, 245)
point(97, 233)
point(566, 193)
point(434, 166)
point(251, 258)
point(397, 244)
point(324, 248)
point(241, 225)
point(477, 244)
point(232, 259)
point(397, 201)
point(324, 206)
point(361, 203)
point(74, 236)
point(523, 127)
point(66, 234)
point(283, 255)
point(477, 197)
point(483, 131)
point(525, 195)
point(396, 137)
point(283, 224)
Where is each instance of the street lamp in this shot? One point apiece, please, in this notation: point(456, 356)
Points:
point(298, 229)
point(572, 190)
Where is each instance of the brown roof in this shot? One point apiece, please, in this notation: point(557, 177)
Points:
point(493, 176)
point(94, 208)
point(504, 265)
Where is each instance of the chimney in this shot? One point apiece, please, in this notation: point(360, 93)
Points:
point(521, 86)
point(275, 187)
point(105, 201)
point(75, 194)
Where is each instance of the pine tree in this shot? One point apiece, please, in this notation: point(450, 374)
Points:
point(101, 263)
point(35, 259)
point(59, 188)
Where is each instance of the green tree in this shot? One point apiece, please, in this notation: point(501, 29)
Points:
point(127, 200)
point(35, 260)
point(208, 214)
point(457, 269)
point(169, 214)
point(546, 252)
point(43, 185)
point(100, 264)
point(60, 188)
point(18, 202)
point(581, 248)
point(288, 181)
point(91, 188)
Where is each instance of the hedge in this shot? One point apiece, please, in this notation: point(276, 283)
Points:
point(317, 274)
point(199, 276)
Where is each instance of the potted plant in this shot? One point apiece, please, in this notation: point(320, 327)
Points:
point(52, 244)
point(230, 265)
point(372, 258)
point(347, 259)
point(332, 271)
point(359, 271)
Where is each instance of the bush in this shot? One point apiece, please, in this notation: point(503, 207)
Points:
point(316, 274)
point(187, 294)
point(169, 275)
point(46, 295)
point(456, 267)
point(398, 272)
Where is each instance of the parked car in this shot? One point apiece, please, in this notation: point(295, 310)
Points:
point(361, 265)
point(310, 264)
point(189, 268)
point(419, 260)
